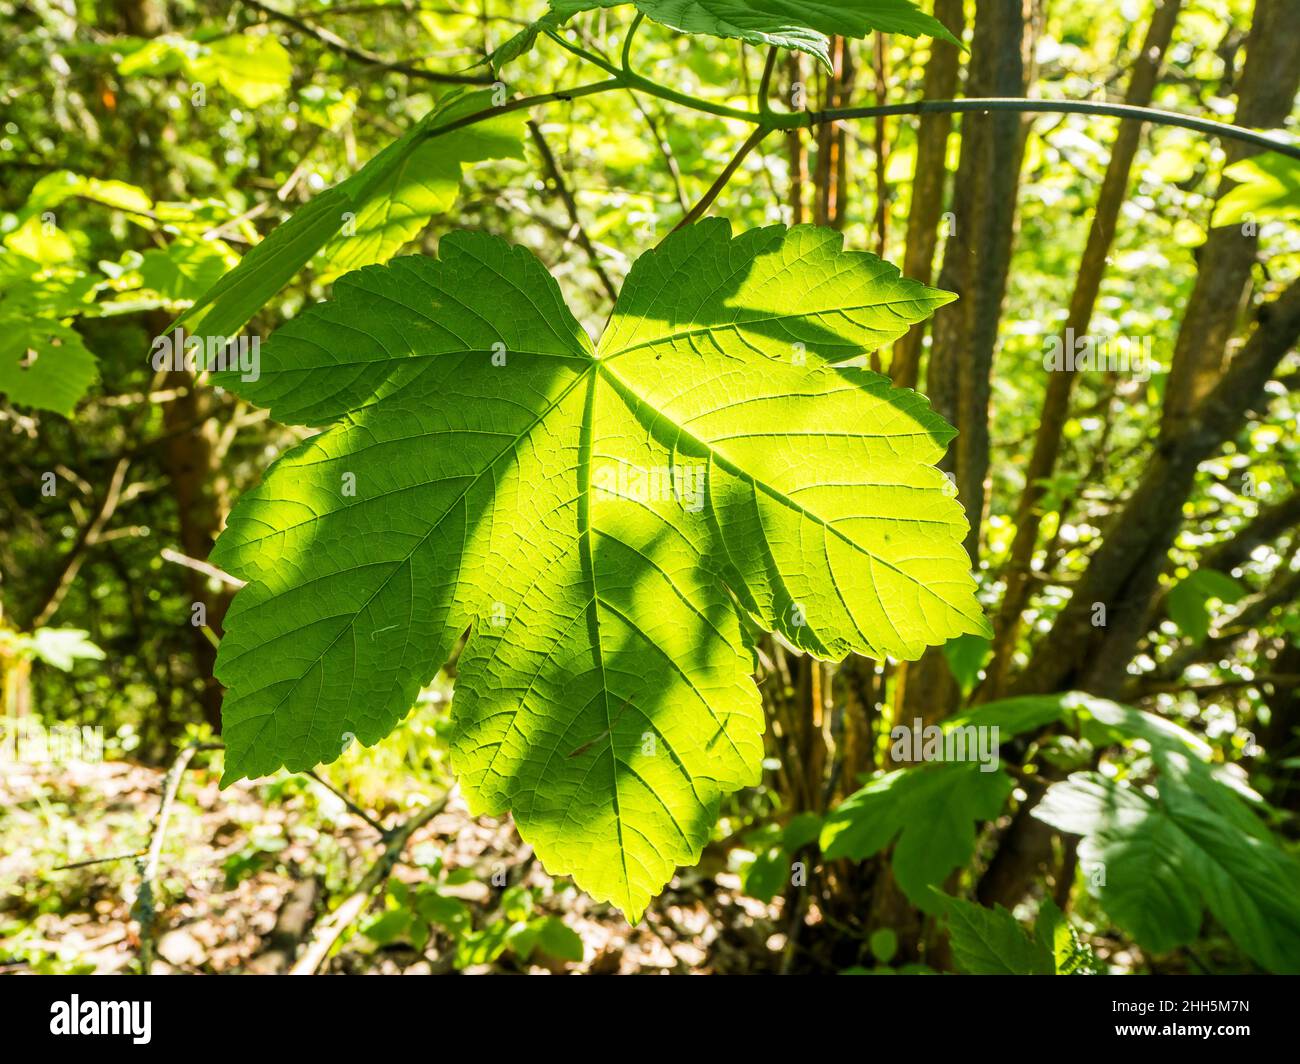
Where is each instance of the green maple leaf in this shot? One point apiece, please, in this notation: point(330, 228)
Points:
point(599, 517)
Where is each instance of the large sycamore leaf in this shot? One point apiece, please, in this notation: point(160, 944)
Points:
point(799, 25)
point(364, 219)
point(43, 363)
point(599, 517)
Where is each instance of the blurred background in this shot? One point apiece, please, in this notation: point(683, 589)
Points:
point(145, 146)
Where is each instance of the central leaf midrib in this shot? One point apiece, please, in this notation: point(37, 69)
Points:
point(586, 552)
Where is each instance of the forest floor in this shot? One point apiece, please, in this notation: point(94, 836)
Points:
point(248, 875)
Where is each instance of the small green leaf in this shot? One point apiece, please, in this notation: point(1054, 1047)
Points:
point(992, 942)
point(883, 944)
point(186, 268)
point(932, 812)
point(389, 927)
point(43, 363)
point(966, 657)
point(1188, 601)
point(1268, 189)
point(556, 939)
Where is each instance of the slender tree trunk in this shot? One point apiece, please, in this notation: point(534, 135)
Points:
point(795, 146)
point(831, 193)
point(929, 183)
point(977, 257)
point(1266, 96)
point(1056, 402)
point(880, 71)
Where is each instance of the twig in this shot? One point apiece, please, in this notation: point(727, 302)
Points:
point(765, 82)
point(327, 933)
point(666, 150)
point(570, 207)
point(87, 538)
point(627, 41)
point(751, 142)
point(99, 860)
point(1281, 679)
point(144, 909)
point(338, 44)
point(1069, 107)
point(353, 808)
point(206, 568)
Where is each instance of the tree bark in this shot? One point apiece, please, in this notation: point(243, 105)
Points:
point(1060, 384)
point(1120, 571)
point(929, 183)
point(1265, 98)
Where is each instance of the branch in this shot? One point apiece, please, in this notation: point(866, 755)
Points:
point(352, 806)
point(86, 539)
point(339, 45)
point(577, 232)
point(1067, 107)
point(765, 83)
point(751, 142)
point(206, 568)
point(1200, 689)
point(144, 910)
point(327, 934)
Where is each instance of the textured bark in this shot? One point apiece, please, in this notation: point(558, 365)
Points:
point(188, 459)
point(929, 183)
point(854, 695)
point(977, 258)
point(1265, 97)
point(1056, 401)
point(975, 261)
point(880, 146)
point(830, 177)
point(797, 150)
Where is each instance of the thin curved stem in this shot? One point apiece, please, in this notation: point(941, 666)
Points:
point(337, 44)
point(1069, 107)
point(583, 53)
point(627, 41)
point(765, 123)
point(765, 83)
point(632, 80)
point(524, 102)
point(794, 119)
point(751, 142)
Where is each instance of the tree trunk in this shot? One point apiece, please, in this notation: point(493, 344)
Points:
point(1056, 402)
